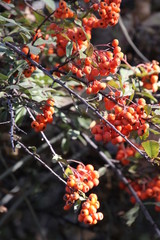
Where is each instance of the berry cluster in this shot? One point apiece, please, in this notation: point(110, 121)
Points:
point(150, 80)
point(76, 35)
point(42, 119)
point(108, 11)
point(100, 64)
point(63, 11)
point(124, 153)
point(28, 72)
point(83, 180)
point(88, 213)
point(145, 190)
point(126, 118)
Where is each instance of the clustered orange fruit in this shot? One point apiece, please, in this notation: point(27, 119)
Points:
point(83, 179)
point(42, 119)
point(98, 65)
point(145, 190)
point(126, 118)
point(150, 80)
point(63, 11)
point(30, 69)
point(124, 153)
point(108, 11)
point(88, 213)
point(63, 36)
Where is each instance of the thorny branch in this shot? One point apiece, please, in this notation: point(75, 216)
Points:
point(11, 132)
point(63, 84)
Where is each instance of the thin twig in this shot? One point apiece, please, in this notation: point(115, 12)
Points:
point(125, 32)
point(46, 139)
point(41, 161)
point(7, 122)
point(12, 124)
point(25, 159)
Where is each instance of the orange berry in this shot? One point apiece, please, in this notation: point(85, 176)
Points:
point(84, 212)
point(88, 220)
point(34, 124)
point(115, 43)
point(80, 218)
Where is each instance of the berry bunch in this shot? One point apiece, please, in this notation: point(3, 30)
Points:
point(124, 153)
point(83, 180)
point(100, 64)
point(145, 190)
point(28, 72)
point(150, 80)
point(125, 118)
point(63, 11)
point(42, 119)
point(88, 213)
point(108, 11)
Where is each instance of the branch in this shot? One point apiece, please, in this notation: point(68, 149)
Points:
point(11, 132)
point(46, 139)
point(63, 84)
point(41, 161)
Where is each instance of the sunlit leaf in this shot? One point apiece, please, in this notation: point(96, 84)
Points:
point(151, 147)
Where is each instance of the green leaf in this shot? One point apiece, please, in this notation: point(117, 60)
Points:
point(89, 50)
point(83, 122)
point(3, 49)
point(67, 172)
point(73, 134)
point(8, 39)
point(82, 55)
point(147, 109)
point(102, 171)
point(25, 37)
point(38, 17)
point(20, 113)
point(145, 136)
point(157, 112)
point(13, 23)
point(50, 4)
point(3, 77)
point(113, 83)
point(34, 50)
point(69, 48)
point(151, 147)
point(41, 41)
point(154, 131)
point(131, 215)
point(78, 22)
point(147, 94)
point(125, 73)
point(156, 120)
point(65, 145)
